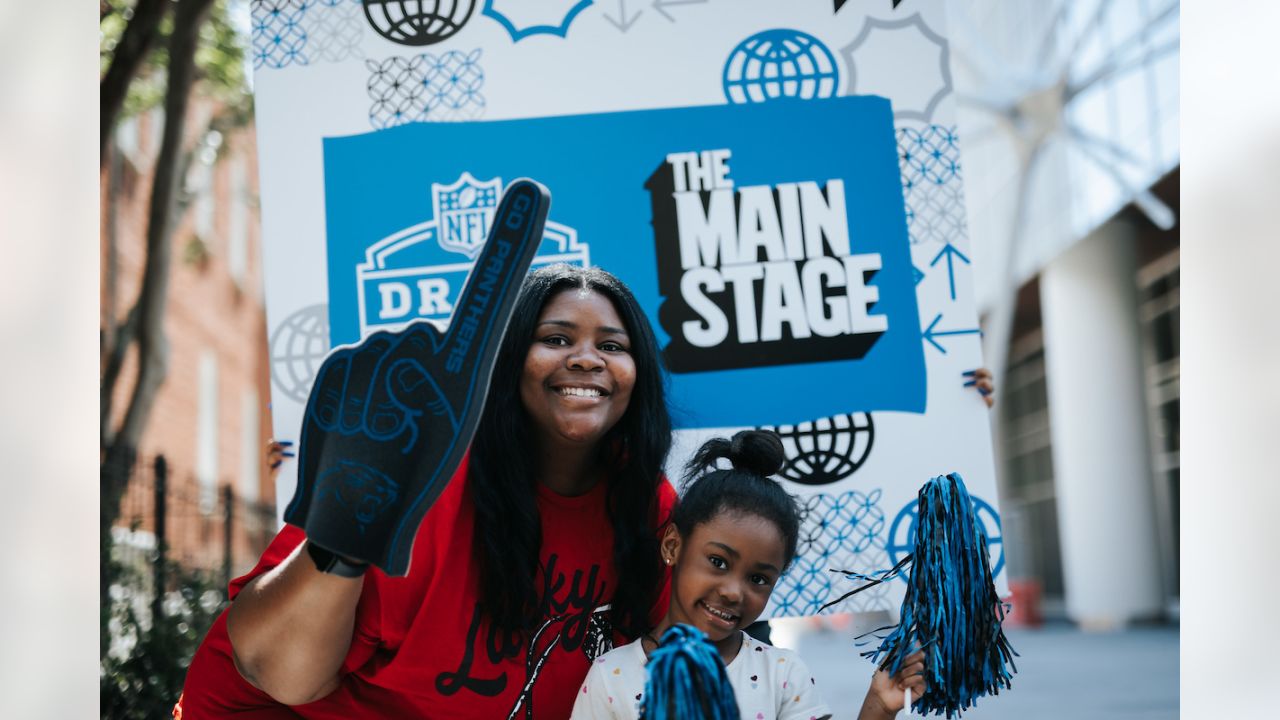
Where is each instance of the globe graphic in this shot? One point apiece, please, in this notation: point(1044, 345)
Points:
point(902, 533)
point(418, 22)
point(826, 450)
point(297, 346)
point(780, 63)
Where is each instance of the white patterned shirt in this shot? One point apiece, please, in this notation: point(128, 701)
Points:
point(769, 683)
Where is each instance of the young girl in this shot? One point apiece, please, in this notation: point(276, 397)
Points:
point(731, 536)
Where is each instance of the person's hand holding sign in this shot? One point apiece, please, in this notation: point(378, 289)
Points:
point(389, 419)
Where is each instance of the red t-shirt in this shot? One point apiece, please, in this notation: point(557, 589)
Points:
point(421, 649)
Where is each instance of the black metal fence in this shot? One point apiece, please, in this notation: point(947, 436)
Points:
point(169, 518)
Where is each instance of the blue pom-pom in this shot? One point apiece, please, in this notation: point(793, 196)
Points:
point(951, 610)
point(686, 679)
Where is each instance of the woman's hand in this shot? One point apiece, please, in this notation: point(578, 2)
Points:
point(885, 696)
point(983, 382)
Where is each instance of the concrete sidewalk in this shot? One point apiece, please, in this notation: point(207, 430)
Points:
point(1063, 673)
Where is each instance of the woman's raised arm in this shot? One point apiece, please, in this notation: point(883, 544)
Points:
point(291, 628)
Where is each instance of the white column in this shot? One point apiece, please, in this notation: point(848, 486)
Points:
point(1098, 419)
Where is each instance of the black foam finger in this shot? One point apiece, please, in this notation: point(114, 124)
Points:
point(480, 317)
point(320, 420)
point(412, 400)
point(324, 405)
point(364, 360)
point(387, 417)
point(469, 350)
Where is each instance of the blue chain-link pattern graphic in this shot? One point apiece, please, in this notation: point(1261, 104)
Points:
point(279, 40)
point(426, 87)
point(842, 531)
point(929, 160)
point(302, 32)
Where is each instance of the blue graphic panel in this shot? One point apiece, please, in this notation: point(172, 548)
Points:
point(767, 242)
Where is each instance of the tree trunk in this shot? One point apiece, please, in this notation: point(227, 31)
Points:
point(111, 259)
point(116, 338)
point(139, 35)
point(147, 317)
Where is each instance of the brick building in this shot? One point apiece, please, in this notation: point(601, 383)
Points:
point(211, 417)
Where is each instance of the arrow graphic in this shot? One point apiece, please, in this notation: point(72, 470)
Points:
point(660, 4)
point(623, 23)
point(949, 251)
point(929, 334)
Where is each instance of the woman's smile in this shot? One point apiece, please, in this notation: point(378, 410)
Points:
point(579, 373)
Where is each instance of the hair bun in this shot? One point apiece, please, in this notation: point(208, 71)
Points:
point(757, 451)
point(748, 488)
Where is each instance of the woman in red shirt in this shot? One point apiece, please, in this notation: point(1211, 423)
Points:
point(540, 553)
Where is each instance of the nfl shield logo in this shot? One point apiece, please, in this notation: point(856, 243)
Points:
point(464, 211)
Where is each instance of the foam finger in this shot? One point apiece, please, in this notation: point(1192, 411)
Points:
point(324, 406)
point(481, 314)
point(365, 359)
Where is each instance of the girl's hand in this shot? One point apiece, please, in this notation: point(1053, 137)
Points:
point(884, 697)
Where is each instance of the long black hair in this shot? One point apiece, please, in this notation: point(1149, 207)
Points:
point(508, 533)
point(746, 488)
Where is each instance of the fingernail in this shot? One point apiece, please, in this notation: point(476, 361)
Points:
point(276, 464)
point(968, 373)
point(289, 454)
point(285, 442)
point(970, 383)
point(984, 392)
